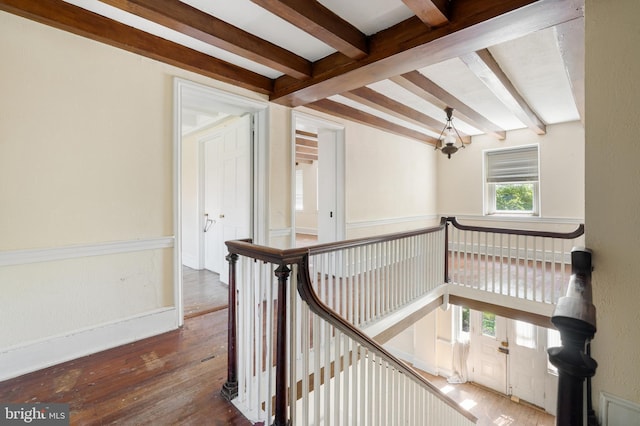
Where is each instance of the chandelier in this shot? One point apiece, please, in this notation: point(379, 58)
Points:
point(449, 140)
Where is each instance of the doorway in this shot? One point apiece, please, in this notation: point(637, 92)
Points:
point(318, 213)
point(220, 165)
point(510, 356)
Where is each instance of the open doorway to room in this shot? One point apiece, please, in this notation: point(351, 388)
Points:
point(318, 181)
point(217, 189)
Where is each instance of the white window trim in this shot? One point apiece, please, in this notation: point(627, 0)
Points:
point(489, 196)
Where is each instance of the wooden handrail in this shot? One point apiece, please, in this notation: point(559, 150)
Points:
point(561, 235)
point(358, 242)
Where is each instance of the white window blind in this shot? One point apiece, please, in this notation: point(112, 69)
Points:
point(514, 165)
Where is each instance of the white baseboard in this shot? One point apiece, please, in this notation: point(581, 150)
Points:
point(426, 366)
point(615, 411)
point(405, 356)
point(34, 356)
point(190, 261)
point(308, 231)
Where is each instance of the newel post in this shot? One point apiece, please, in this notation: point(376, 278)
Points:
point(230, 388)
point(575, 318)
point(281, 348)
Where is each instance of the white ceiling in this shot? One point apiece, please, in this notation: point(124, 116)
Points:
point(533, 63)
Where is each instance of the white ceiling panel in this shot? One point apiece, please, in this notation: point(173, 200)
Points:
point(171, 35)
point(535, 67)
point(372, 17)
point(400, 94)
point(255, 20)
point(455, 77)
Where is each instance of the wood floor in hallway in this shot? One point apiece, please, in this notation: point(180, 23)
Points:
point(171, 379)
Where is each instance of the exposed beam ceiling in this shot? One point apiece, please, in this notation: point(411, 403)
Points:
point(320, 22)
point(411, 45)
point(382, 60)
point(376, 100)
point(483, 65)
point(434, 13)
point(571, 43)
point(335, 108)
point(431, 92)
point(181, 17)
point(65, 16)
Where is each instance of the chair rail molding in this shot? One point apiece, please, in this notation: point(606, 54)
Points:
point(21, 257)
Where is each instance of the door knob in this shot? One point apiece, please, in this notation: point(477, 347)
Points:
point(221, 216)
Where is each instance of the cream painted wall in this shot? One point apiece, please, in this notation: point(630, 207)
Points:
point(460, 188)
point(190, 202)
point(280, 175)
point(86, 158)
point(612, 194)
point(389, 180)
point(307, 218)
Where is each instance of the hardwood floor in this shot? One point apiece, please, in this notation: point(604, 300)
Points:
point(171, 379)
point(202, 292)
point(492, 408)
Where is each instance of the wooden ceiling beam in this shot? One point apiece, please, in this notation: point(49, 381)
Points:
point(306, 135)
point(376, 100)
point(307, 142)
point(67, 17)
point(337, 109)
point(428, 90)
point(200, 25)
point(434, 13)
point(315, 19)
point(410, 45)
point(306, 149)
point(486, 68)
point(570, 36)
point(303, 156)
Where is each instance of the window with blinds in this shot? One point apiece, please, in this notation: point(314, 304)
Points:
point(512, 181)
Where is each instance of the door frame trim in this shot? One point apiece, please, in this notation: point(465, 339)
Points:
point(260, 158)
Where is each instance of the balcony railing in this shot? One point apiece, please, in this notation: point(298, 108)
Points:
point(297, 350)
point(525, 264)
point(301, 355)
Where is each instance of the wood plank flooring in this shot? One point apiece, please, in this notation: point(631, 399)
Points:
point(202, 292)
point(171, 379)
point(492, 408)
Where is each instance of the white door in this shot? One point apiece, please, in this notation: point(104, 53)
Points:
point(212, 253)
point(327, 186)
point(528, 366)
point(488, 351)
point(227, 186)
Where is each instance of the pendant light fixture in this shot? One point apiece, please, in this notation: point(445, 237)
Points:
point(449, 140)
